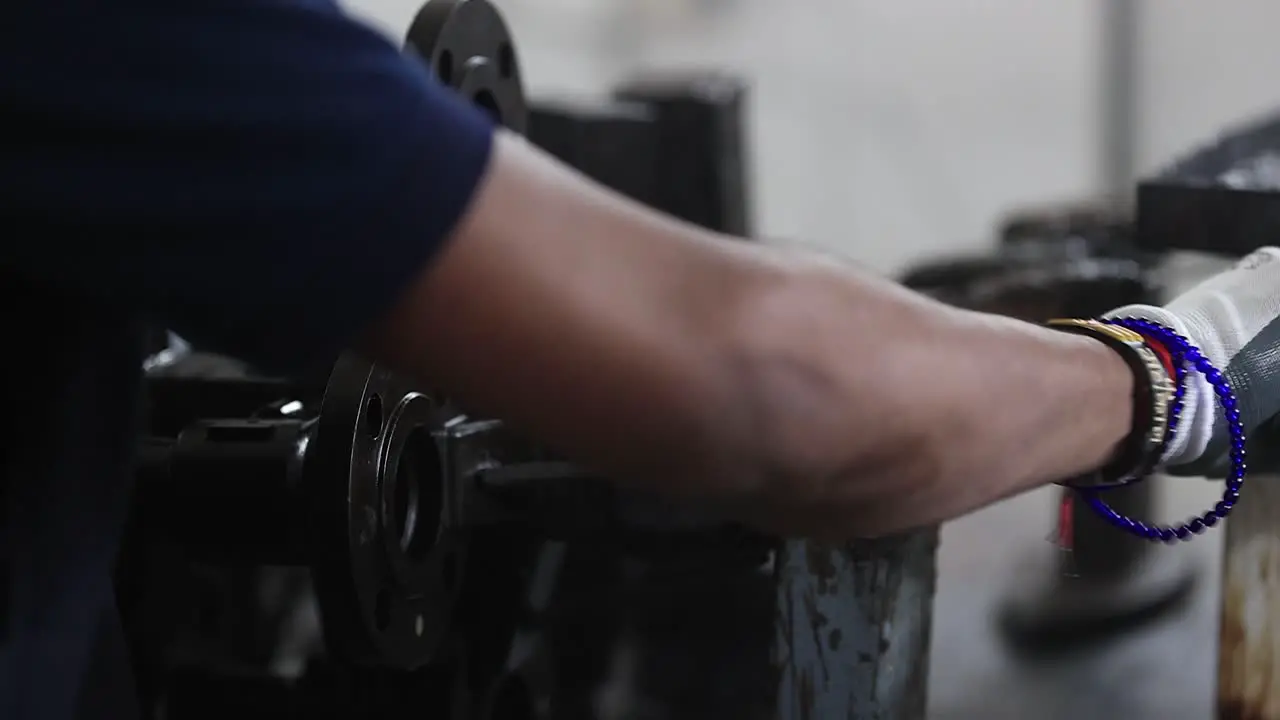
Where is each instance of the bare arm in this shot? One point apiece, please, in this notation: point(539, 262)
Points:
point(805, 395)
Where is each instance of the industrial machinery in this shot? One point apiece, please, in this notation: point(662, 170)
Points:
point(353, 545)
point(349, 544)
point(1224, 198)
point(361, 545)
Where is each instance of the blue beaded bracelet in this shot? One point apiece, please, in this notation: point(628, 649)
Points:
point(1183, 353)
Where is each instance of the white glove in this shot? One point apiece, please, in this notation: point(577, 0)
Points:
point(1232, 318)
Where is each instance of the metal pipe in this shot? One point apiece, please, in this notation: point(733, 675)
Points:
point(853, 628)
point(1249, 635)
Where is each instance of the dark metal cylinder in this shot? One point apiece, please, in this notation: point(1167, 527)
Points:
point(1102, 552)
point(853, 628)
point(700, 167)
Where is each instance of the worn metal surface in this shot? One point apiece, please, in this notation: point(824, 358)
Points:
point(1249, 650)
point(853, 627)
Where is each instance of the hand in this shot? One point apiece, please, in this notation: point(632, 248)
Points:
point(1232, 317)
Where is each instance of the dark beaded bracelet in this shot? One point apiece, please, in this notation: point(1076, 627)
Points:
point(1183, 353)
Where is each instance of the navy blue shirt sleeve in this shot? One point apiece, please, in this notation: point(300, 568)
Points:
point(263, 176)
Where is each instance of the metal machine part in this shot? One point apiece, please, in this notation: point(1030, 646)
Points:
point(701, 154)
point(613, 143)
point(1222, 198)
point(674, 141)
point(380, 490)
point(384, 547)
point(470, 49)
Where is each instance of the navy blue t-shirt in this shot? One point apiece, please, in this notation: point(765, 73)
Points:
point(262, 176)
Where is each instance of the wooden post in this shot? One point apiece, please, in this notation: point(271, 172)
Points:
point(1249, 649)
point(853, 628)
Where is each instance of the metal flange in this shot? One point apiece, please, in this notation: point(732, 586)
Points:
point(386, 557)
point(470, 49)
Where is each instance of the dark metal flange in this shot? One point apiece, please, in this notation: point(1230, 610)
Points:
point(470, 49)
point(387, 559)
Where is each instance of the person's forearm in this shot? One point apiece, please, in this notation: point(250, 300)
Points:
point(876, 398)
point(802, 394)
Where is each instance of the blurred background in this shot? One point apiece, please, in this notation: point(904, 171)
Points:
point(893, 132)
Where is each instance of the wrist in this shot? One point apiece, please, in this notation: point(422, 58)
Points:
point(1151, 396)
point(1113, 400)
point(1195, 424)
